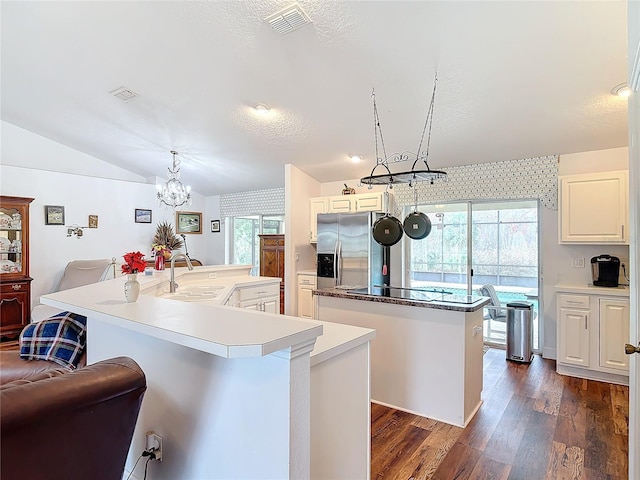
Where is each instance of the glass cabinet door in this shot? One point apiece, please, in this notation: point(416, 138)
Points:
point(11, 241)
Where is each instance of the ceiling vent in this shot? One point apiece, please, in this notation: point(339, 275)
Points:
point(289, 19)
point(124, 94)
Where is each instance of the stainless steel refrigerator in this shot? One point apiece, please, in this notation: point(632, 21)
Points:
point(348, 256)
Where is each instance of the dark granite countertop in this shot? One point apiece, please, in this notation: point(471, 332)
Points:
point(458, 307)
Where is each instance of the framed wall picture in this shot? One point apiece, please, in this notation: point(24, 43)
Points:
point(188, 222)
point(53, 215)
point(215, 226)
point(93, 221)
point(143, 215)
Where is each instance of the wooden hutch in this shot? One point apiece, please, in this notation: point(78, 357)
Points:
point(272, 260)
point(15, 282)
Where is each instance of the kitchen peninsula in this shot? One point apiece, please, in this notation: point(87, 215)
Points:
point(427, 355)
point(234, 393)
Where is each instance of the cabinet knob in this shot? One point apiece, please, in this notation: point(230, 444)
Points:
point(16, 286)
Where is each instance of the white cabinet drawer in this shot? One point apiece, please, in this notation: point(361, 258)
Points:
point(260, 291)
point(573, 301)
point(310, 280)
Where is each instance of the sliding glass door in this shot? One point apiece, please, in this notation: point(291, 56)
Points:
point(504, 252)
point(494, 244)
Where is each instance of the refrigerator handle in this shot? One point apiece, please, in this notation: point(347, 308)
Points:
point(335, 264)
point(339, 263)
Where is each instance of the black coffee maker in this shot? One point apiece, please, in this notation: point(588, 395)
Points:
point(605, 270)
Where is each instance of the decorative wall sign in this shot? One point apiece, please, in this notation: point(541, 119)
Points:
point(53, 215)
point(143, 215)
point(93, 221)
point(215, 226)
point(188, 222)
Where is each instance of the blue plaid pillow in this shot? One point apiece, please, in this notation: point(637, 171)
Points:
point(60, 339)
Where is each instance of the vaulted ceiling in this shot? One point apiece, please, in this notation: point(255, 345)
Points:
point(515, 80)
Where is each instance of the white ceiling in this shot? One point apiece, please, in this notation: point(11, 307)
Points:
point(516, 79)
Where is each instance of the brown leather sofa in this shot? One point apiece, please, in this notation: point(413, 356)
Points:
point(12, 367)
point(62, 424)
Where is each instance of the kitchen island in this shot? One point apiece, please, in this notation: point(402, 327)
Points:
point(427, 355)
point(234, 393)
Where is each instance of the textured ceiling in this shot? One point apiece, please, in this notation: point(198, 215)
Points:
point(516, 79)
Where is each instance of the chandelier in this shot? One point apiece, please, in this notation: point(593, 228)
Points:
point(415, 174)
point(173, 193)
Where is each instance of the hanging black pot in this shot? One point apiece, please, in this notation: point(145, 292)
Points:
point(417, 225)
point(387, 230)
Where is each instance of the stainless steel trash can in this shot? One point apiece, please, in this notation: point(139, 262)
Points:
point(519, 332)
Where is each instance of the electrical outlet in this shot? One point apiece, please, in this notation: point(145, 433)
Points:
point(154, 442)
point(577, 263)
point(213, 275)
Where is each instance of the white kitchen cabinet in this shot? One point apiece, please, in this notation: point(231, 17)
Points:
point(614, 333)
point(573, 330)
point(594, 208)
point(591, 332)
point(342, 204)
point(261, 298)
point(306, 300)
point(360, 202)
point(316, 206)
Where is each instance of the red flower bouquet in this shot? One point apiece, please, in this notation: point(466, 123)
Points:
point(133, 262)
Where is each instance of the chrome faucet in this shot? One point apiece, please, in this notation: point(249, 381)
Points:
point(172, 283)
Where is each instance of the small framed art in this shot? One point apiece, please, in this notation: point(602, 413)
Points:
point(143, 215)
point(215, 226)
point(188, 222)
point(53, 215)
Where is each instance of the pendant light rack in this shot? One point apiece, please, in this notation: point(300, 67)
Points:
point(411, 176)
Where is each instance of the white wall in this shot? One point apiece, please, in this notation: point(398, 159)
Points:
point(594, 161)
point(299, 253)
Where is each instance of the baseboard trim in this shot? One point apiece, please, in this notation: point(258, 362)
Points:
point(550, 353)
point(592, 375)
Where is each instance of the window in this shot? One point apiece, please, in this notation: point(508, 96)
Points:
point(245, 243)
point(501, 249)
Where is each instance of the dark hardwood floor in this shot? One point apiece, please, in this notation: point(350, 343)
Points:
point(533, 424)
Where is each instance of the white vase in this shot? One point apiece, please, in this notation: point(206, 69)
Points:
point(132, 287)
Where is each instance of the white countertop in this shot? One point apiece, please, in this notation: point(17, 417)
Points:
point(207, 326)
point(620, 291)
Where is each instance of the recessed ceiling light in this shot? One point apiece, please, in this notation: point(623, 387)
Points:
point(356, 158)
point(261, 108)
point(622, 90)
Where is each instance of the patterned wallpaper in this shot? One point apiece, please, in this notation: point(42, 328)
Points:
point(527, 178)
point(256, 202)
